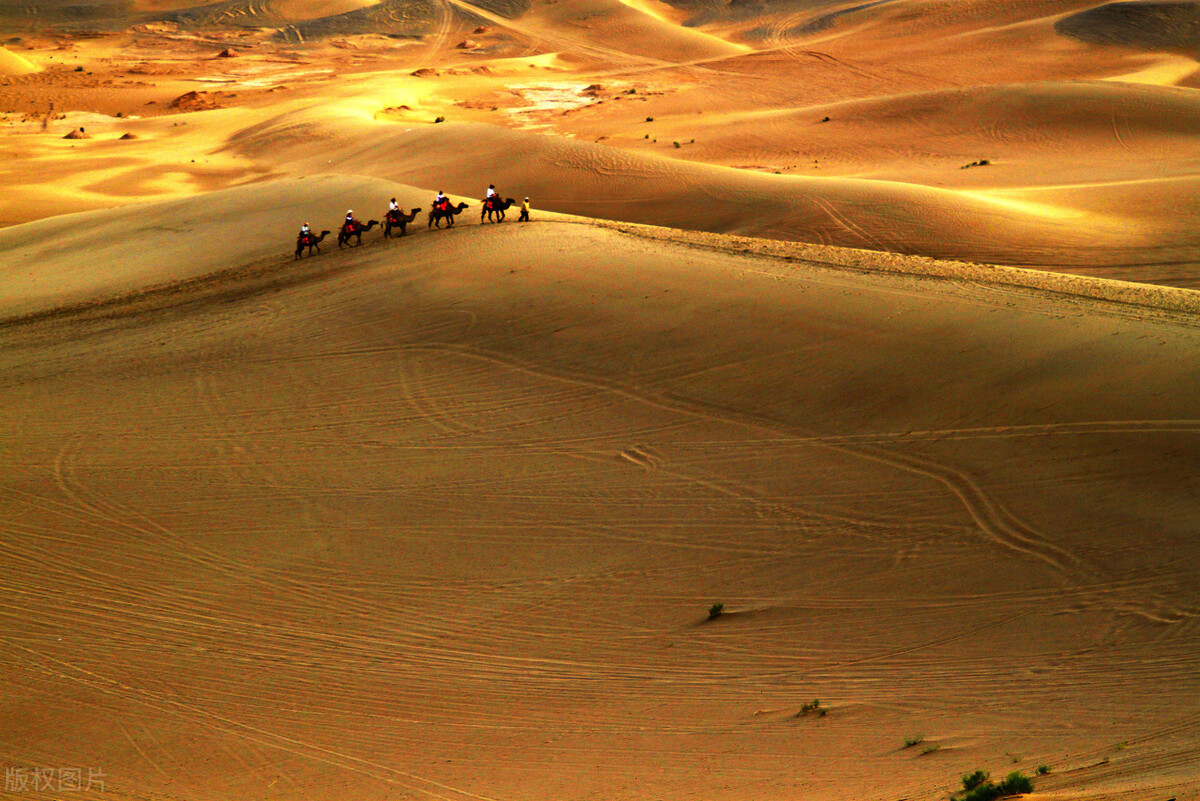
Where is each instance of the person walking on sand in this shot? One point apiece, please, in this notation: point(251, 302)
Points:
point(524, 211)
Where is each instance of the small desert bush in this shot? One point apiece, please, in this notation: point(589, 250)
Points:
point(716, 610)
point(973, 780)
point(913, 739)
point(813, 706)
point(978, 787)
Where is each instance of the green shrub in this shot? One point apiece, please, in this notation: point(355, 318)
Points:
point(932, 748)
point(813, 706)
point(977, 786)
point(913, 739)
point(973, 780)
point(1042, 770)
point(1016, 783)
point(715, 611)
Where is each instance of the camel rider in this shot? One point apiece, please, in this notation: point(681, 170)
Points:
point(304, 230)
point(491, 194)
point(392, 205)
point(440, 202)
point(350, 222)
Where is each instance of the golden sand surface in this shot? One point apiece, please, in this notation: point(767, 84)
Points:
point(831, 431)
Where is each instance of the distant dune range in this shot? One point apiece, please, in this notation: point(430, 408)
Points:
point(1119, 233)
point(1084, 175)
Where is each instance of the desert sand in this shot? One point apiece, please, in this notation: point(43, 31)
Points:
point(830, 432)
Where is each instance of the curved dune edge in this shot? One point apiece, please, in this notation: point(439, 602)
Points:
point(1150, 296)
point(1145, 297)
point(12, 64)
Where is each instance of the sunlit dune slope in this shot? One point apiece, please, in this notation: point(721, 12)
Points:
point(625, 29)
point(12, 64)
point(443, 516)
point(65, 261)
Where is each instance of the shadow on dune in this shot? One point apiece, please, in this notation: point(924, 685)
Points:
point(70, 15)
point(392, 18)
point(1173, 26)
point(389, 18)
point(235, 13)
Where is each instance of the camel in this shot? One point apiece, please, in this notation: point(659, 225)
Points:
point(309, 241)
point(496, 205)
point(437, 215)
point(397, 219)
point(355, 230)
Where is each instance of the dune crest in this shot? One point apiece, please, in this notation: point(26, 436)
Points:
point(13, 64)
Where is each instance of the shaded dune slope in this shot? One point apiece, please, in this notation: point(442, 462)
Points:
point(1038, 132)
point(1169, 26)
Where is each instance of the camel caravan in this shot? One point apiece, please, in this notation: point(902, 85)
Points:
point(492, 209)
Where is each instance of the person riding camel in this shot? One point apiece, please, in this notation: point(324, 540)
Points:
point(491, 197)
point(441, 202)
point(350, 224)
point(392, 205)
point(304, 229)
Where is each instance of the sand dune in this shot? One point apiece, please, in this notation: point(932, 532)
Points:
point(1147, 25)
point(634, 30)
point(12, 64)
point(595, 180)
point(442, 516)
point(1033, 134)
point(79, 259)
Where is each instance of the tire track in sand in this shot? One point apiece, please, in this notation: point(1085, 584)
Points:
point(992, 519)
